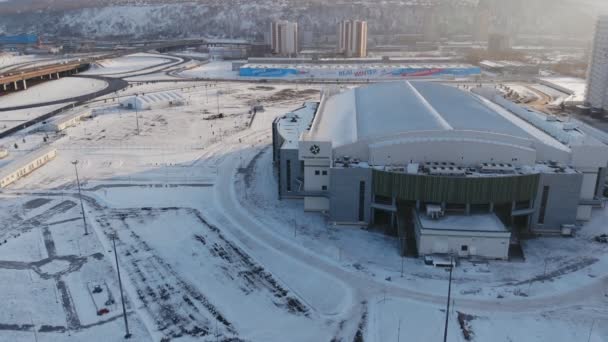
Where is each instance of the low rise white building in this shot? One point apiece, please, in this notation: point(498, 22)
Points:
point(153, 101)
point(25, 165)
point(69, 120)
point(3, 153)
point(482, 235)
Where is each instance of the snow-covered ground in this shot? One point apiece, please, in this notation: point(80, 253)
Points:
point(576, 87)
point(10, 61)
point(208, 252)
point(60, 89)
point(215, 69)
point(13, 118)
point(127, 65)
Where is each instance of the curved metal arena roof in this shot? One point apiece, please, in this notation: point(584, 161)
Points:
point(386, 109)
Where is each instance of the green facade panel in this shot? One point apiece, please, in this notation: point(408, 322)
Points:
point(473, 190)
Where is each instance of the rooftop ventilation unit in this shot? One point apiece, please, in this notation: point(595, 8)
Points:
point(447, 171)
point(434, 211)
point(497, 168)
point(413, 168)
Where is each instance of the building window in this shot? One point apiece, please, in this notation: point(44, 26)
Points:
point(288, 175)
point(598, 182)
point(464, 248)
point(324, 173)
point(543, 205)
point(361, 201)
point(317, 172)
point(324, 187)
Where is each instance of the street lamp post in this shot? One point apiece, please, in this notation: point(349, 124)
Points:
point(137, 113)
point(122, 297)
point(447, 309)
point(84, 220)
point(217, 95)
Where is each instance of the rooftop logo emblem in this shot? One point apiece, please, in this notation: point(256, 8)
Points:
point(315, 149)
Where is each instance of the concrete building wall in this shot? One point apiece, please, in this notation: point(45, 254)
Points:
point(290, 170)
point(277, 141)
point(317, 178)
point(599, 191)
point(588, 186)
point(562, 201)
point(437, 242)
point(316, 203)
point(344, 195)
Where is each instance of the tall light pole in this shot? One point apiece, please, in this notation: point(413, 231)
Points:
point(137, 113)
point(84, 220)
point(217, 95)
point(122, 296)
point(447, 309)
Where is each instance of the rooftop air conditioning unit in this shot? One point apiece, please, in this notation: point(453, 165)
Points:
point(434, 211)
point(447, 171)
point(567, 230)
point(497, 168)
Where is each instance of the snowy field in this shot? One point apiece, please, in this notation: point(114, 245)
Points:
point(63, 88)
point(13, 118)
point(208, 253)
point(215, 69)
point(575, 86)
point(128, 65)
point(9, 61)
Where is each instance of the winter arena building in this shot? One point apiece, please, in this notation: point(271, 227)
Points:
point(451, 167)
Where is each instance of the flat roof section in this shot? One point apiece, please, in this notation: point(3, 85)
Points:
point(292, 124)
point(488, 223)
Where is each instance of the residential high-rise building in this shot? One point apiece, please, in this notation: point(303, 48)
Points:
point(499, 42)
point(352, 38)
point(483, 13)
point(430, 25)
point(284, 38)
point(597, 74)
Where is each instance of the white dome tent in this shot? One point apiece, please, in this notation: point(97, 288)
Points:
point(153, 101)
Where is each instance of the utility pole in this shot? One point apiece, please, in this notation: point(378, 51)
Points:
point(399, 331)
point(84, 220)
point(447, 309)
point(217, 96)
point(122, 297)
point(590, 331)
point(137, 113)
